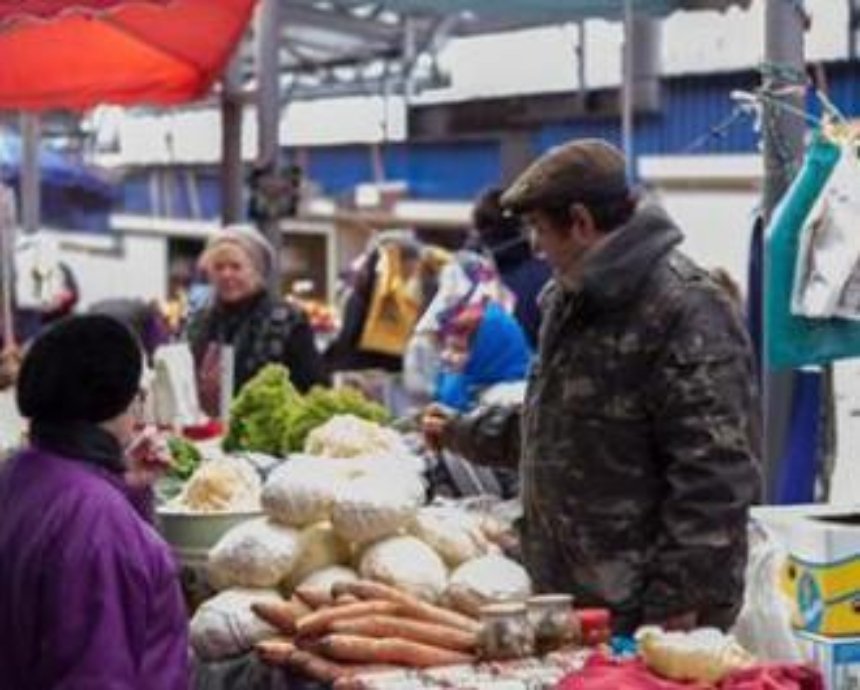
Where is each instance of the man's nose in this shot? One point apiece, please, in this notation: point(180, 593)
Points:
point(534, 241)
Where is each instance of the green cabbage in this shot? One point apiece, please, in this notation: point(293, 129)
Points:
point(270, 416)
point(259, 414)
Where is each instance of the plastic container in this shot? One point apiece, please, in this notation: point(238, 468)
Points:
point(505, 632)
point(551, 619)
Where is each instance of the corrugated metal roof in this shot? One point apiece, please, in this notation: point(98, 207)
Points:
point(547, 9)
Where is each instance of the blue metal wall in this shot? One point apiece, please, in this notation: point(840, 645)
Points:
point(433, 171)
point(693, 109)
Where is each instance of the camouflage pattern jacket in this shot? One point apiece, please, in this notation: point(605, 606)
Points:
point(639, 453)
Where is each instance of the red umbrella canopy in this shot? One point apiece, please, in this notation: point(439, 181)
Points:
point(16, 9)
point(157, 53)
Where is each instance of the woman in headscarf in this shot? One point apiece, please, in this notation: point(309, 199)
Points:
point(471, 325)
point(261, 329)
point(89, 593)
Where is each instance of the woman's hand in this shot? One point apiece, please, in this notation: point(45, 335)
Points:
point(10, 365)
point(148, 458)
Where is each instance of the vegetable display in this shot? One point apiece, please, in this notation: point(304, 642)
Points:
point(270, 416)
point(259, 415)
point(320, 405)
point(378, 627)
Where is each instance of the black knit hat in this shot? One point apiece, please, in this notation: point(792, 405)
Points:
point(84, 368)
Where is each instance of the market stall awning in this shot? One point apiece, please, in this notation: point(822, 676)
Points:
point(546, 9)
point(55, 169)
point(12, 10)
point(137, 53)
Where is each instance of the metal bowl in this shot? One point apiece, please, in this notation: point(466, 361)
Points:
point(192, 534)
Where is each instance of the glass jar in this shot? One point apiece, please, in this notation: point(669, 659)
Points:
point(505, 632)
point(551, 618)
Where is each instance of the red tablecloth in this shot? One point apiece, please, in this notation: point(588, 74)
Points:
point(603, 673)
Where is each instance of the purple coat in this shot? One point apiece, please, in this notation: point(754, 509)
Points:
point(89, 594)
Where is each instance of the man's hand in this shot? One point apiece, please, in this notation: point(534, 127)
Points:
point(435, 423)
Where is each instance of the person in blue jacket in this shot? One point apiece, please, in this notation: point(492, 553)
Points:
point(471, 325)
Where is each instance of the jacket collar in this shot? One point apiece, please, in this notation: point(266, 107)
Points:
point(81, 441)
point(618, 269)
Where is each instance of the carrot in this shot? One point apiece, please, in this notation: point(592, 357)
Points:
point(314, 597)
point(281, 614)
point(431, 634)
point(315, 666)
point(318, 621)
point(412, 606)
point(393, 650)
point(275, 652)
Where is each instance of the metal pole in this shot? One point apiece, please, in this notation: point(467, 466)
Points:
point(627, 90)
point(7, 242)
point(783, 135)
point(783, 151)
point(580, 59)
point(268, 30)
point(231, 143)
point(410, 54)
point(30, 197)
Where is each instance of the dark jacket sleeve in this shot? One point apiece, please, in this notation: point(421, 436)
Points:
point(705, 413)
point(302, 358)
point(487, 436)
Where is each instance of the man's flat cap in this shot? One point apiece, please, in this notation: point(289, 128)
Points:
point(582, 170)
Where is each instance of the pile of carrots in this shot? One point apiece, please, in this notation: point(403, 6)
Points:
point(363, 627)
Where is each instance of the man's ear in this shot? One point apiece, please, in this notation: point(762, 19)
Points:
point(582, 223)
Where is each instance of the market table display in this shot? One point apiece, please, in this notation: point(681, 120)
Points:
point(329, 568)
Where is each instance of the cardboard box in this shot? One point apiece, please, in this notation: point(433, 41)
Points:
point(838, 659)
point(822, 573)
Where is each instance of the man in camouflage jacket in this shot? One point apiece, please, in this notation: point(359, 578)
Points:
point(637, 442)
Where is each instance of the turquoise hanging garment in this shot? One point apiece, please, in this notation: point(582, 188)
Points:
point(796, 341)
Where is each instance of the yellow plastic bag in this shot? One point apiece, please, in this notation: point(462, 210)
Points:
point(393, 310)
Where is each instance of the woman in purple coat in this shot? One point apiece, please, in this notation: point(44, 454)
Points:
point(89, 596)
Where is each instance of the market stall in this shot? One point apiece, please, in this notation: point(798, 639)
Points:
point(315, 555)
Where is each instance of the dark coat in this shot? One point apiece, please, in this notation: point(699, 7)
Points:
point(637, 447)
point(263, 331)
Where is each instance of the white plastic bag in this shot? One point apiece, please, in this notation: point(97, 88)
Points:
point(225, 626)
point(493, 578)
point(257, 553)
point(455, 534)
point(827, 274)
point(300, 492)
point(39, 280)
point(408, 564)
point(375, 505)
point(324, 578)
point(764, 624)
point(705, 654)
point(174, 386)
point(320, 548)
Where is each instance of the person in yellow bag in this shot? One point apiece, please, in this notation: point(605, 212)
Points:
point(389, 289)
